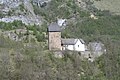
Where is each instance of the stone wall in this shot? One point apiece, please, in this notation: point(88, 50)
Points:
point(54, 41)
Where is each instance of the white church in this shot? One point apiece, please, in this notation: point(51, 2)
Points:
point(57, 43)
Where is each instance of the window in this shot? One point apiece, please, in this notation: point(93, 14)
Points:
point(78, 45)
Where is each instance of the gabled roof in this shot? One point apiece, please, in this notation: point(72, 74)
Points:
point(68, 41)
point(54, 27)
point(82, 41)
point(71, 41)
point(96, 46)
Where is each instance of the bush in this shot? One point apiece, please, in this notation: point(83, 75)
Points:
point(40, 37)
point(10, 26)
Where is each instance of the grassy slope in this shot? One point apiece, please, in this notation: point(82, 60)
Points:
point(112, 5)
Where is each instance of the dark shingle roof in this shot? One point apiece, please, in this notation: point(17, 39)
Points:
point(54, 27)
point(71, 41)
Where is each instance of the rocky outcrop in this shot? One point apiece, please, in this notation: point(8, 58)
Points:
point(41, 3)
point(14, 7)
point(27, 20)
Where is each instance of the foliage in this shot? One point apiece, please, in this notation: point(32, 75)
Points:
point(10, 26)
point(107, 30)
point(109, 63)
point(107, 25)
point(59, 9)
point(32, 61)
point(21, 62)
point(40, 37)
point(22, 7)
point(39, 31)
point(1, 15)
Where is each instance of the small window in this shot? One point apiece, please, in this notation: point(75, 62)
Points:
point(78, 45)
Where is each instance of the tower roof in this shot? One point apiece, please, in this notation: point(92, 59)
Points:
point(54, 27)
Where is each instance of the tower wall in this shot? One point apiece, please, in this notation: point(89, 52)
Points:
point(54, 40)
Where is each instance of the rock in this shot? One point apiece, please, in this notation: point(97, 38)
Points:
point(27, 16)
point(25, 19)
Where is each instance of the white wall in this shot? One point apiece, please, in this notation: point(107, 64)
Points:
point(79, 46)
point(70, 47)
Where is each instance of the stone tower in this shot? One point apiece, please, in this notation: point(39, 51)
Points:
point(54, 37)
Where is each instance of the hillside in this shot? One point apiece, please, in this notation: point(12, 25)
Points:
point(112, 5)
point(18, 10)
point(24, 53)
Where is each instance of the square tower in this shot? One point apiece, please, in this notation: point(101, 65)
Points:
point(54, 36)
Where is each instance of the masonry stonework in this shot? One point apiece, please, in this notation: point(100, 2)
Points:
point(54, 40)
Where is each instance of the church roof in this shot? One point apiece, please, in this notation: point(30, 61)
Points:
point(68, 41)
point(71, 41)
point(54, 27)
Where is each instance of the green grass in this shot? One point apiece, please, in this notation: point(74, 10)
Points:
point(111, 5)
